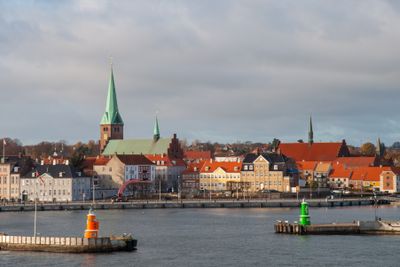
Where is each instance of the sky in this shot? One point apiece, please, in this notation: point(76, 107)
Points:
point(220, 71)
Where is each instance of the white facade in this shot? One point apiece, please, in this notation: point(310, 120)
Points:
point(141, 172)
point(47, 188)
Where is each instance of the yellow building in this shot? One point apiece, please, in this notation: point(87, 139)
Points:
point(265, 171)
point(10, 179)
point(219, 176)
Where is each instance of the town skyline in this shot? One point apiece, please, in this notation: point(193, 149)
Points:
point(240, 79)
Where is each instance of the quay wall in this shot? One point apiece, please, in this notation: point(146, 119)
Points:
point(55, 244)
point(190, 204)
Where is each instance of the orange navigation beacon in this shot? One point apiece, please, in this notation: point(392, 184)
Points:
point(92, 225)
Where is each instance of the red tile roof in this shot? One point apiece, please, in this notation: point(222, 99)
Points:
point(368, 173)
point(231, 167)
point(134, 159)
point(314, 151)
point(339, 171)
point(306, 165)
point(355, 162)
point(190, 169)
point(101, 161)
point(200, 155)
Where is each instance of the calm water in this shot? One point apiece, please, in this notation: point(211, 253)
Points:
point(209, 237)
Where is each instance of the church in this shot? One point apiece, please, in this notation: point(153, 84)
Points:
point(166, 153)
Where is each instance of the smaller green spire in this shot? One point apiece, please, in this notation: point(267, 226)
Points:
point(156, 132)
point(310, 133)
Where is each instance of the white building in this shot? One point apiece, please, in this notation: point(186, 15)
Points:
point(58, 182)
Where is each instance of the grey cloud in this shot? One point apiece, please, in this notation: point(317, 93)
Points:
point(216, 70)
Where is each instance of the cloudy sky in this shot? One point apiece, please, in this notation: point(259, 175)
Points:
point(215, 70)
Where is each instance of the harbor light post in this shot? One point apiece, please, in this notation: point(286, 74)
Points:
point(304, 215)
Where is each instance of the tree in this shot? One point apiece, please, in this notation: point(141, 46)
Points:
point(367, 149)
point(275, 143)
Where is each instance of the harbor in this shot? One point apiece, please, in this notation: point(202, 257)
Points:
point(202, 237)
point(194, 204)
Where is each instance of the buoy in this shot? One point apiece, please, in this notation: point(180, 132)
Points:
point(92, 225)
point(304, 216)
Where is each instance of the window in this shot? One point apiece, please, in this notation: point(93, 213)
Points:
point(246, 167)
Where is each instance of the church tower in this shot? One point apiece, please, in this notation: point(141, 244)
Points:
point(111, 125)
point(310, 133)
point(156, 131)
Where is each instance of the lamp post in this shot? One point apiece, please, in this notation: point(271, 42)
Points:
point(159, 188)
point(93, 189)
point(35, 214)
point(179, 187)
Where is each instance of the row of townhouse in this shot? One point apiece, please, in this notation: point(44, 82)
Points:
point(358, 173)
point(257, 172)
point(22, 179)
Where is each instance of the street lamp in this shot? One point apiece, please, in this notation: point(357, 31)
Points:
point(179, 187)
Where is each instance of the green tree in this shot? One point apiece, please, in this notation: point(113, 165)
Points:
point(367, 149)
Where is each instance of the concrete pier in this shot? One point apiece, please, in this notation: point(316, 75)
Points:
point(377, 227)
point(67, 244)
point(275, 203)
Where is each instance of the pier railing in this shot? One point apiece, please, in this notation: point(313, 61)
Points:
point(56, 241)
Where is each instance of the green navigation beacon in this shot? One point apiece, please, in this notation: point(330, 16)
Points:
point(304, 216)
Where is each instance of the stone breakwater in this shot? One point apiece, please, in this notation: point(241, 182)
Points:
point(191, 204)
point(377, 227)
point(67, 244)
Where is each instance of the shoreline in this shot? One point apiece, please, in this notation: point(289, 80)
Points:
point(275, 203)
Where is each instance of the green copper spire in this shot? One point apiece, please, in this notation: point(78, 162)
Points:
point(310, 133)
point(156, 132)
point(111, 115)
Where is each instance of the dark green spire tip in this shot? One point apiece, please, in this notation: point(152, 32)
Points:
point(156, 131)
point(111, 115)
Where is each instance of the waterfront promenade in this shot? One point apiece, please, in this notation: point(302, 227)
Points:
point(217, 203)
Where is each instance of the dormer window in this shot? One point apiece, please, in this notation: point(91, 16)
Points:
point(246, 167)
point(251, 167)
